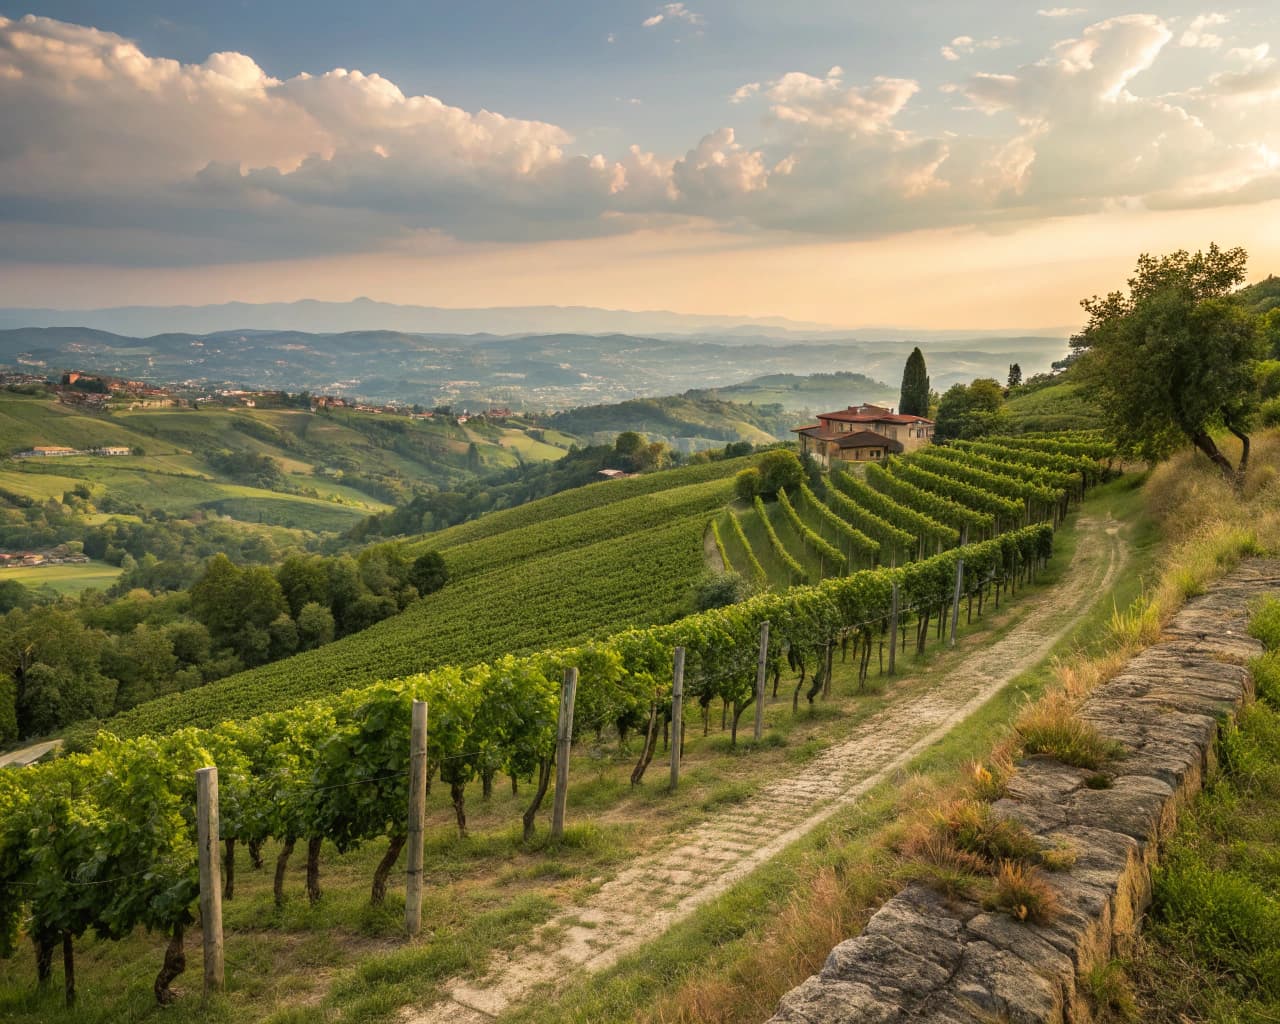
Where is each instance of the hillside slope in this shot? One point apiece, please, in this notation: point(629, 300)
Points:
point(283, 466)
point(581, 572)
point(692, 420)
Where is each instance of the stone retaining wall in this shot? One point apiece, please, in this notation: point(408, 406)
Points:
point(923, 958)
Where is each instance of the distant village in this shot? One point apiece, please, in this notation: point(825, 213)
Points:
point(102, 392)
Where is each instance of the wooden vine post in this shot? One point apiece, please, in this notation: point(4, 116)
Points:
point(955, 603)
point(210, 877)
point(564, 740)
point(677, 716)
point(762, 670)
point(417, 818)
point(893, 631)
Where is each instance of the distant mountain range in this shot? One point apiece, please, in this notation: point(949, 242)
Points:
point(533, 372)
point(315, 316)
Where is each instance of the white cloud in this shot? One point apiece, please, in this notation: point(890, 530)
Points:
point(612, 37)
point(962, 46)
point(1250, 54)
point(1197, 34)
point(825, 103)
point(121, 156)
point(1060, 12)
point(673, 12)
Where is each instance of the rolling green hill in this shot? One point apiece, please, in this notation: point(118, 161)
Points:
point(580, 564)
point(285, 467)
point(693, 420)
point(1059, 405)
point(815, 393)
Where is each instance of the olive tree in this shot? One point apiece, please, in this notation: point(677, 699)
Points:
point(1172, 359)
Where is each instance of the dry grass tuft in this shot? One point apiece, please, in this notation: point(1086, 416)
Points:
point(1050, 728)
point(1024, 894)
point(974, 827)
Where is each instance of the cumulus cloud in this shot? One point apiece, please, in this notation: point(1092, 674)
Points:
point(1086, 138)
point(673, 12)
point(962, 46)
point(112, 154)
point(826, 103)
point(1197, 34)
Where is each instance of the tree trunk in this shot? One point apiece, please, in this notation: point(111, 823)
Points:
point(175, 962)
point(486, 785)
point(650, 743)
point(457, 792)
point(68, 969)
point(313, 869)
point(1243, 467)
point(255, 853)
point(229, 862)
point(378, 895)
point(282, 862)
point(1206, 444)
point(515, 786)
point(738, 708)
point(531, 812)
point(44, 958)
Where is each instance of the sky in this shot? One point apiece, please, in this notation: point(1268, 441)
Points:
point(928, 164)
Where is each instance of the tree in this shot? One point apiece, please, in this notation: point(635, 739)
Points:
point(1015, 376)
point(972, 410)
point(746, 485)
point(315, 625)
point(1174, 359)
point(428, 573)
point(629, 443)
point(914, 398)
point(779, 468)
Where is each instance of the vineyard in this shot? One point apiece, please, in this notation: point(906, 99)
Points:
point(910, 507)
point(591, 561)
point(337, 768)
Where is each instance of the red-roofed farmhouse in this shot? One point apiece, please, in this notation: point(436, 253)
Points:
point(863, 433)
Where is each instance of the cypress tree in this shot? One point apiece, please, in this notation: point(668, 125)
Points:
point(914, 399)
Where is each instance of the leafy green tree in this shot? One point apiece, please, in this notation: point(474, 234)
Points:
point(779, 469)
point(971, 410)
point(8, 711)
point(428, 573)
point(1270, 328)
point(1015, 376)
point(14, 595)
point(629, 443)
point(746, 485)
point(284, 636)
point(143, 662)
point(237, 606)
point(315, 625)
point(303, 580)
point(914, 397)
point(1173, 359)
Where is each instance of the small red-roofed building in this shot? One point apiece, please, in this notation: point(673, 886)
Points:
point(863, 433)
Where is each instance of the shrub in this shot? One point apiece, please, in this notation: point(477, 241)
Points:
point(720, 590)
point(746, 485)
point(1023, 894)
point(1266, 677)
point(1230, 920)
point(779, 469)
point(1265, 623)
point(1050, 728)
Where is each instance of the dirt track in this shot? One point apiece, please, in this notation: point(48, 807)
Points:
point(642, 901)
